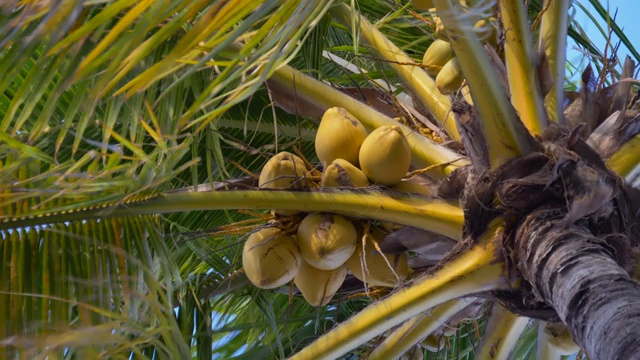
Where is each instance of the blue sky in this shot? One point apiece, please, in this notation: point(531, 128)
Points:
point(626, 17)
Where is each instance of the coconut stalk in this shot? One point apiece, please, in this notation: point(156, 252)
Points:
point(420, 83)
point(476, 270)
point(506, 136)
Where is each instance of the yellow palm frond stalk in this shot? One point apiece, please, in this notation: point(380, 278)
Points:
point(429, 214)
point(520, 59)
point(626, 161)
point(414, 330)
point(502, 333)
point(506, 137)
point(553, 39)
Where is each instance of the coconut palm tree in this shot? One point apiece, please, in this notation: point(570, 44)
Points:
point(133, 133)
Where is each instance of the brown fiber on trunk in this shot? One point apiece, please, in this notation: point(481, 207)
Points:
point(578, 275)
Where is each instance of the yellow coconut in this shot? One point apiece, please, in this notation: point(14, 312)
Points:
point(326, 240)
point(284, 171)
point(378, 272)
point(318, 286)
point(385, 155)
point(270, 258)
point(437, 54)
point(339, 136)
point(342, 173)
point(450, 78)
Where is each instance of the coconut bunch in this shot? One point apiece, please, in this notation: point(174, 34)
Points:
point(318, 250)
point(440, 60)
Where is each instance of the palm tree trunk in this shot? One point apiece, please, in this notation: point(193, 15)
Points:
point(577, 274)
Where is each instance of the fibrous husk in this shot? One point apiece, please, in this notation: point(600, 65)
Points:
point(385, 156)
point(341, 173)
point(339, 136)
point(318, 286)
point(326, 240)
point(270, 258)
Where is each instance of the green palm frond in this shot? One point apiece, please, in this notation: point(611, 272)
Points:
point(126, 47)
point(95, 281)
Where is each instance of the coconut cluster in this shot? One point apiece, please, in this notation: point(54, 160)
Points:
point(318, 250)
point(440, 61)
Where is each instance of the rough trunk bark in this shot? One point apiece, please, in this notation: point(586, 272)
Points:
point(578, 275)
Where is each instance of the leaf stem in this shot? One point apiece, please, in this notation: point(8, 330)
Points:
point(414, 330)
point(434, 215)
point(505, 134)
point(519, 56)
point(553, 38)
point(502, 333)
